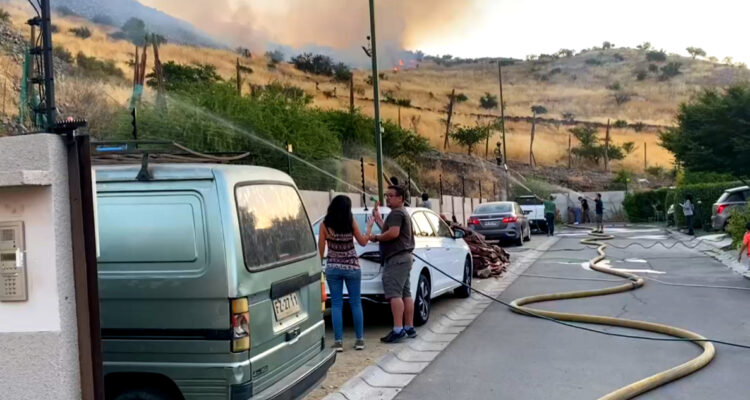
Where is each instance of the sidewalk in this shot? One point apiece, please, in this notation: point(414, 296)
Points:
point(716, 245)
point(391, 373)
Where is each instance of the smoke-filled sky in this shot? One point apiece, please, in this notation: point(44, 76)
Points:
point(473, 28)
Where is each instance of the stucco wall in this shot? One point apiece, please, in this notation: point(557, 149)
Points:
point(38, 337)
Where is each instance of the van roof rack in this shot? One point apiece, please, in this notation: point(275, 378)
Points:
point(108, 152)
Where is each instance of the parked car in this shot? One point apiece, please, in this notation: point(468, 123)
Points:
point(210, 284)
point(533, 208)
point(435, 242)
point(501, 220)
point(730, 199)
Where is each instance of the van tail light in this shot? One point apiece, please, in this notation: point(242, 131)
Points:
point(240, 325)
point(473, 221)
point(510, 219)
point(721, 208)
point(323, 296)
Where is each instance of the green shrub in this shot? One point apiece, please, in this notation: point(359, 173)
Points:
point(641, 75)
point(688, 177)
point(61, 53)
point(738, 219)
point(342, 73)
point(81, 32)
point(642, 206)
point(4, 16)
point(706, 194)
point(98, 69)
point(620, 123)
point(657, 56)
point(594, 61)
point(670, 71)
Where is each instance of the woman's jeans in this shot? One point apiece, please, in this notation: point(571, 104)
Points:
point(336, 277)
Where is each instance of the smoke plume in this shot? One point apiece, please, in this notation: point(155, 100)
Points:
point(339, 25)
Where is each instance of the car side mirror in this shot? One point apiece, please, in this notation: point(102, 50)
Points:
point(458, 234)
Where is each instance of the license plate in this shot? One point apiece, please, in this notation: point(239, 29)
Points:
point(286, 306)
point(491, 223)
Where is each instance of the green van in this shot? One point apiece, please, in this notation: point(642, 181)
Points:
point(210, 284)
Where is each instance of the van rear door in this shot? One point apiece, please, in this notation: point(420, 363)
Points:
point(281, 278)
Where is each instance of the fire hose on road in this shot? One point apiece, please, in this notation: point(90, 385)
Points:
point(569, 319)
point(643, 385)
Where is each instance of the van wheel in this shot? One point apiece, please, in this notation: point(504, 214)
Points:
point(143, 394)
point(464, 290)
point(422, 302)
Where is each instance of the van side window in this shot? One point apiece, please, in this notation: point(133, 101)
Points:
point(154, 233)
point(273, 225)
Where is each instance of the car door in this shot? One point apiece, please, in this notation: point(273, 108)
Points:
point(454, 254)
point(431, 248)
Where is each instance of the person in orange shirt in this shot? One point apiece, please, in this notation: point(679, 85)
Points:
point(745, 245)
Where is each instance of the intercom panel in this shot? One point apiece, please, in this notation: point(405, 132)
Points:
point(12, 262)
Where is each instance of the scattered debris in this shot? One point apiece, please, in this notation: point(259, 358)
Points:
point(489, 259)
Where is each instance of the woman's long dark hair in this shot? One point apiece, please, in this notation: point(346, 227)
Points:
point(339, 216)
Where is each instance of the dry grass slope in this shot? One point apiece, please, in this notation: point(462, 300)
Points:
point(566, 85)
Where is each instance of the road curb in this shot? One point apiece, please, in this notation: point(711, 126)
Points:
point(392, 372)
point(715, 249)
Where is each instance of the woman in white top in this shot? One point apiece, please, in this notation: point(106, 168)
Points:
point(688, 210)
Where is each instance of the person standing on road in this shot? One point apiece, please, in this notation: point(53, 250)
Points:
point(549, 215)
point(338, 232)
point(396, 246)
point(599, 213)
point(689, 210)
point(585, 207)
point(426, 203)
point(745, 246)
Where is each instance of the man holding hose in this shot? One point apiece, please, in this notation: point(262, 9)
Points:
point(396, 246)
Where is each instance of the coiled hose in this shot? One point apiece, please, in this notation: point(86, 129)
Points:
point(643, 385)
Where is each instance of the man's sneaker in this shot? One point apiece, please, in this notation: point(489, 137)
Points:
point(393, 337)
point(410, 332)
point(359, 344)
point(338, 346)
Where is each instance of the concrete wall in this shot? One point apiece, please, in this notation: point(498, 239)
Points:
point(316, 204)
point(38, 337)
point(613, 210)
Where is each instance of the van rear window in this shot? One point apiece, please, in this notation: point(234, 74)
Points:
point(273, 225)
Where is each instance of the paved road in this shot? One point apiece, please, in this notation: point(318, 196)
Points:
point(503, 355)
point(378, 323)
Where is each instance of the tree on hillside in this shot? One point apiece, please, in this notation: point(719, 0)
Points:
point(470, 136)
point(568, 116)
point(275, 57)
point(712, 133)
point(133, 30)
point(607, 45)
point(317, 64)
point(696, 52)
point(645, 46)
point(591, 149)
point(727, 60)
point(565, 53)
point(4, 16)
point(670, 71)
point(488, 101)
point(535, 109)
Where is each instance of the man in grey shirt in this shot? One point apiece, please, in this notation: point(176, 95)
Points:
point(396, 246)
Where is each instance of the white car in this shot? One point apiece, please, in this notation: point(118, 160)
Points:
point(435, 242)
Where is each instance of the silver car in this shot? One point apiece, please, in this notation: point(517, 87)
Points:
point(501, 220)
point(735, 197)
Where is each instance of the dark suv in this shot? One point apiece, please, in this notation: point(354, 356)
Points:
point(735, 197)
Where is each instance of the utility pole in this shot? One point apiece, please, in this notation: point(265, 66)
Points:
point(239, 78)
point(364, 189)
point(480, 192)
point(440, 180)
point(448, 120)
point(645, 156)
point(606, 149)
point(494, 190)
point(507, 183)
point(376, 102)
point(502, 105)
point(463, 199)
point(570, 151)
point(351, 93)
point(49, 75)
